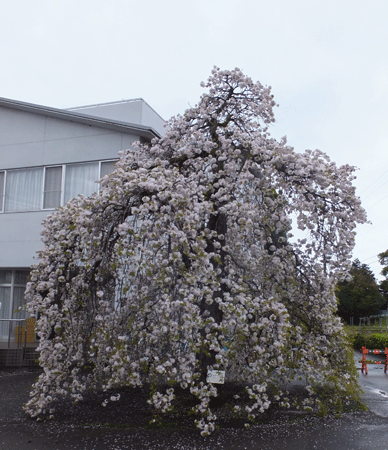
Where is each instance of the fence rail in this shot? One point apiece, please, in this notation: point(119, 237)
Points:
point(17, 333)
point(377, 322)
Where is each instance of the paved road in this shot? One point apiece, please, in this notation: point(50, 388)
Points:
point(375, 386)
point(356, 431)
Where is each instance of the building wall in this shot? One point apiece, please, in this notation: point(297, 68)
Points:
point(20, 237)
point(51, 145)
point(28, 140)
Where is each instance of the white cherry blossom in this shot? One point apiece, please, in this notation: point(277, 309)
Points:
point(184, 263)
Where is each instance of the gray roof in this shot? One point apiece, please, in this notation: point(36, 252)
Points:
point(71, 116)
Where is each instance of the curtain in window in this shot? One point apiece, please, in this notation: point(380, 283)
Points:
point(23, 191)
point(107, 167)
point(5, 276)
point(5, 310)
point(18, 301)
point(81, 179)
point(1, 190)
point(52, 187)
point(12, 287)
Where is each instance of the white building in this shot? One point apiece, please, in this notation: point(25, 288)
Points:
point(47, 157)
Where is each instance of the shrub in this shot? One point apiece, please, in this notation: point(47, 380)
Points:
point(374, 341)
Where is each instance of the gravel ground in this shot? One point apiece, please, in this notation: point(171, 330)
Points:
point(123, 425)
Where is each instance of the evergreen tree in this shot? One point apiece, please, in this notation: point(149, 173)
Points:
point(360, 296)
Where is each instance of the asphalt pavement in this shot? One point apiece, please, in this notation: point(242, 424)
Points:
point(352, 431)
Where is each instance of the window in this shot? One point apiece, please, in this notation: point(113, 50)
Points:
point(81, 179)
point(107, 167)
point(12, 287)
point(23, 189)
point(49, 187)
point(1, 190)
point(52, 187)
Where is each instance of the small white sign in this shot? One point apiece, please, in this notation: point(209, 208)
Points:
point(215, 376)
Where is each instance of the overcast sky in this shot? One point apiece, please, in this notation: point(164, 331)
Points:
point(327, 63)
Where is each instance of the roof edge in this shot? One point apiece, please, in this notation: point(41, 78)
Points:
point(141, 130)
point(118, 102)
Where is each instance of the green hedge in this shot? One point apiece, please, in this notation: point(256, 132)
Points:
point(373, 341)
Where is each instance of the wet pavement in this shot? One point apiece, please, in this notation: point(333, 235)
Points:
point(375, 386)
point(352, 431)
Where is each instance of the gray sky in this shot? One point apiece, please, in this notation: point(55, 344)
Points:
point(327, 63)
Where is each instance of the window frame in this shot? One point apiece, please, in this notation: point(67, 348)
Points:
point(5, 327)
point(10, 202)
point(42, 188)
point(2, 190)
point(44, 185)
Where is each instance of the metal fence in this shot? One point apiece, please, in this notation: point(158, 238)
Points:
point(17, 333)
point(378, 322)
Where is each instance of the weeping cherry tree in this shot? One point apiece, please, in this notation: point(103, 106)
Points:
point(184, 264)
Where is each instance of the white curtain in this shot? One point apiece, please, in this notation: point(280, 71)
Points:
point(107, 167)
point(18, 301)
point(12, 287)
point(5, 310)
point(23, 190)
point(1, 190)
point(81, 179)
point(52, 187)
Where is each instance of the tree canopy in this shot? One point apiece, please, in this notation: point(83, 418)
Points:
point(184, 262)
point(383, 285)
point(383, 258)
point(360, 296)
